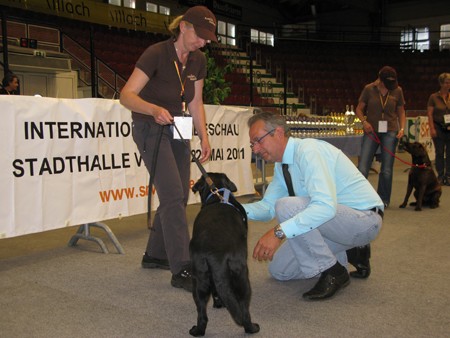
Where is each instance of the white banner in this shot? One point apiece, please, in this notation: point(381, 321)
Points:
point(67, 162)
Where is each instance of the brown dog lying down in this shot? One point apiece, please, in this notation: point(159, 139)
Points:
point(218, 250)
point(422, 178)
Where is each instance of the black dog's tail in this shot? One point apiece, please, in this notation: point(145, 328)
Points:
point(233, 288)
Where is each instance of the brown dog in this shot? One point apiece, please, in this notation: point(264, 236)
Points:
point(218, 251)
point(422, 178)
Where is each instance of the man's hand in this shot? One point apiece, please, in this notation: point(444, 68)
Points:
point(266, 246)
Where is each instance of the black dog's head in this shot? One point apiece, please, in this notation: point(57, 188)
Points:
point(418, 153)
point(220, 181)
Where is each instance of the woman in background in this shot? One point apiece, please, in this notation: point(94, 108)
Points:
point(381, 108)
point(439, 120)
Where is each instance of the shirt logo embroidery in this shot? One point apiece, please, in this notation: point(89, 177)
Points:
point(192, 77)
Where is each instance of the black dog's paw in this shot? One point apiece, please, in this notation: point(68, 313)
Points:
point(217, 303)
point(417, 209)
point(196, 332)
point(253, 328)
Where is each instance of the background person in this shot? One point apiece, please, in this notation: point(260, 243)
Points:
point(10, 84)
point(333, 209)
point(438, 108)
point(167, 76)
point(382, 112)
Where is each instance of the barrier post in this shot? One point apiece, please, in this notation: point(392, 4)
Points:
point(83, 232)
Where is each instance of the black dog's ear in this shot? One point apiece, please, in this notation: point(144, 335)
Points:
point(198, 185)
point(232, 187)
point(227, 183)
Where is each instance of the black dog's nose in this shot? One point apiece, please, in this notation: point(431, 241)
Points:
point(403, 140)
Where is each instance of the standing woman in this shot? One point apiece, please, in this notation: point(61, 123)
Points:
point(10, 84)
point(169, 77)
point(382, 112)
point(439, 120)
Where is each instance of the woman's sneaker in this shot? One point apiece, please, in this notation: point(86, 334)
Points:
point(149, 262)
point(182, 279)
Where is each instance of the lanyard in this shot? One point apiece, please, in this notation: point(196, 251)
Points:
point(183, 101)
point(383, 104)
point(446, 102)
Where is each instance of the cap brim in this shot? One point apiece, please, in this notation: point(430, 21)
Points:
point(205, 34)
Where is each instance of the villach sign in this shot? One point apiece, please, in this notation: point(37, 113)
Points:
point(95, 12)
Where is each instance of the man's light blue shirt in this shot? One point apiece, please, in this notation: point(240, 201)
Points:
point(321, 172)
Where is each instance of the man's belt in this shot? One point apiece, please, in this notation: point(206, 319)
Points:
point(378, 210)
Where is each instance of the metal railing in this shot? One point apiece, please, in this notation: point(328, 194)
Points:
point(107, 82)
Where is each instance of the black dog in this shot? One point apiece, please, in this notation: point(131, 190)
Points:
point(422, 178)
point(218, 250)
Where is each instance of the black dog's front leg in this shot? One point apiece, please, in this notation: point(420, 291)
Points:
point(419, 198)
point(408, 193)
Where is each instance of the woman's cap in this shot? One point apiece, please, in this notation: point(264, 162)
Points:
point(204, 22)
point(388, 76)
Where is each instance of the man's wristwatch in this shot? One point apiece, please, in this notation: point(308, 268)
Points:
point(279, 233)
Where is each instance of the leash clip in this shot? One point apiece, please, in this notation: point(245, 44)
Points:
point(215, 191)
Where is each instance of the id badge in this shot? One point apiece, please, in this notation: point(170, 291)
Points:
point(447, 118)
point(382, 126)
point(184, 126)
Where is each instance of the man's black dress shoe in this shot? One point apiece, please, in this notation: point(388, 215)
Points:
point(330, 281)
point(359, 257)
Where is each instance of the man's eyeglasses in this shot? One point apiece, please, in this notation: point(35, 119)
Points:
point(258, 140)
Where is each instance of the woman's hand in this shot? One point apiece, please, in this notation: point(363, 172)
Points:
point(367, 127)
point(400, 133)
point(162, 116)
point(206, 150)
point(433, 132)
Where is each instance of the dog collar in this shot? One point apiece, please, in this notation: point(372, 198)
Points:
point(225, 199)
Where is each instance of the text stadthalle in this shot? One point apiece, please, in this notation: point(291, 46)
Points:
point(72, 164)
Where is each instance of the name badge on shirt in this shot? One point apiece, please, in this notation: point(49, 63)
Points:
point(447, 118)
point(382, 126)
point(184, 126)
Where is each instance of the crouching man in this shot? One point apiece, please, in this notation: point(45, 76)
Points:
point(328, 214)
